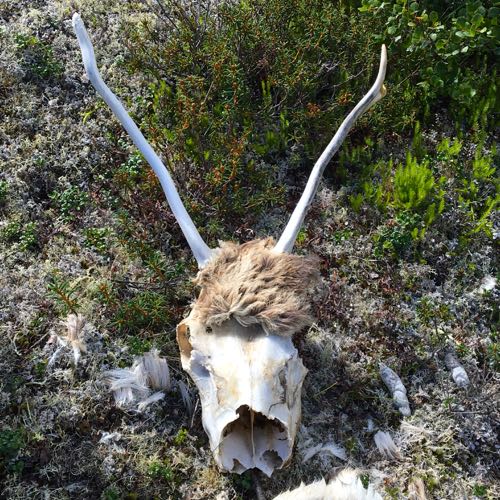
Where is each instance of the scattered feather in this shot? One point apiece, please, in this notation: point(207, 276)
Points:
point(488, 284)
point(334, 449)
point(134, 385)
point(345, 486)
point(127, 385)
point(186, 396)
point(396, 388)
point(55, 355)
point(386, 445)
point(416, 490)
point(157, 370)
point(308, 453)
point(157, 396)
point(458, 372)
point(72, 338)
point(108, 437)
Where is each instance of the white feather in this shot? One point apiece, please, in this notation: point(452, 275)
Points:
point(157, 370)
point(308, 453)
point(488, 284)
point(72, 337)
point(386, 445)
point(131, 385)
point(186, 396)
point(334, 449)
point(157, 396)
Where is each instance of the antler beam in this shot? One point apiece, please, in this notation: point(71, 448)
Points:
point(199, 248)
point(287, 239)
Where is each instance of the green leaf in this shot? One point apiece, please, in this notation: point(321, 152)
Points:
point(494, 12)
point(414, 7)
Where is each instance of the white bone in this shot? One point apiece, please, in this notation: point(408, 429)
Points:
point(199, 248)
point(396, 388)
point(250, 388)
point(458, 372)
point(377, 91)
point(237, 342)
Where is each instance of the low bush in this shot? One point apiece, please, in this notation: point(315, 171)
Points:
point(239, 89)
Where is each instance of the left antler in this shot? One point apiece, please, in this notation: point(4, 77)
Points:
point(199, 248)
point(287, 239)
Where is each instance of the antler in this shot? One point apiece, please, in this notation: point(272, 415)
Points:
point(287, 239)
point(199, 248)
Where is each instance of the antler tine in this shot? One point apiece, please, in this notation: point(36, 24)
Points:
point(377, 91)
point(199, 248)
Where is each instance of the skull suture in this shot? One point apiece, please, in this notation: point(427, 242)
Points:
point(236, 343)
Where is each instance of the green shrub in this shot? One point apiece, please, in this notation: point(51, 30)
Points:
point(238, 88)
point(246, 86)
point(4, 190)
point(70, 201)
point(395, 238)
point(63, 294)
point(479, 194)
point(11, 442)
point(415, 190)
point(129, 173)
point(161, 470)
point(448, 49)
point(25, 235)
point(147, 310)
point(181, 437)
point(97, 238)
point(37, 57)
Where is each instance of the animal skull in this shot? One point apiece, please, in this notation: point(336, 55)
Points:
point(236, 343)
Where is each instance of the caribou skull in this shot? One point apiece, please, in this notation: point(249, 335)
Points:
point(236, 344)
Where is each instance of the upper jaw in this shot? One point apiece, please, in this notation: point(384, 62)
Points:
point(250, 386)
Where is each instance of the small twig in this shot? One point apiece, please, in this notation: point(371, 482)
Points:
point(194, 413)
point(324, 390)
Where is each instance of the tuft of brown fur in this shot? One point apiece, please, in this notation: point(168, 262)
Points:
point(253, 284)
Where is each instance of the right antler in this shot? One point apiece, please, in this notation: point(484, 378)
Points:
point(287, 239)
point(199, 248)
